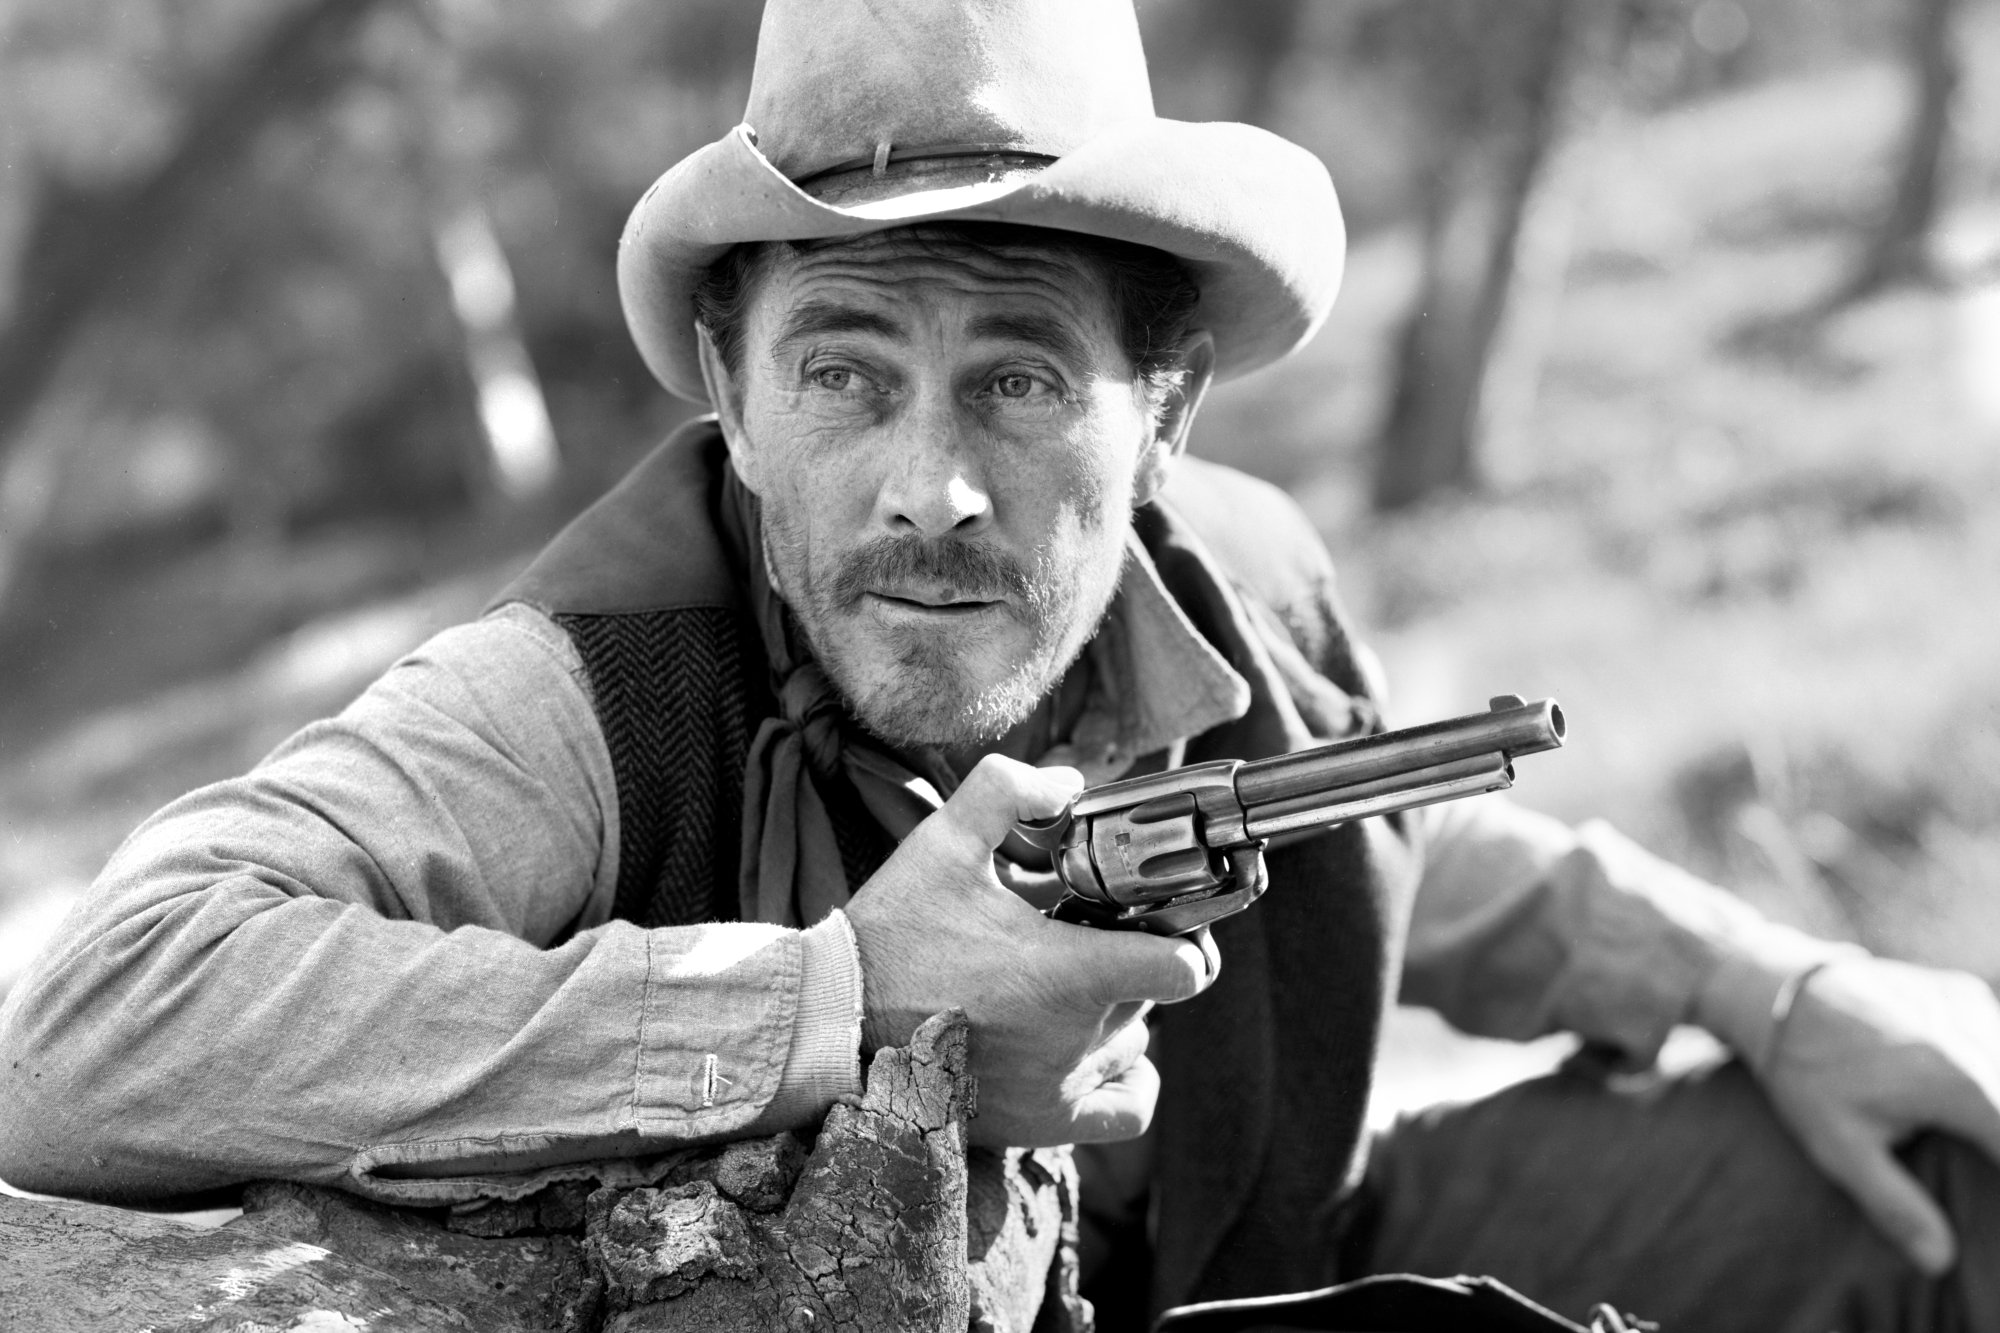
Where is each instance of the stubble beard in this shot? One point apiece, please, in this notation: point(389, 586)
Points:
point(924, 686)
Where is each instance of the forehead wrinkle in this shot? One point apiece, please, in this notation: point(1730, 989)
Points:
point(866, 277)
point(1044, 331)
point(873, 249)
point(820, 316)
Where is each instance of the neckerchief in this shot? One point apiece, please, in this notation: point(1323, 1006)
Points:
point(791, 872)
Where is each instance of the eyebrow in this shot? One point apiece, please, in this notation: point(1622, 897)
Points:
point(1043, 331)
point(818, 318)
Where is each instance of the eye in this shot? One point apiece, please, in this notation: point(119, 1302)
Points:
point(835, 379)
point(1014, 386)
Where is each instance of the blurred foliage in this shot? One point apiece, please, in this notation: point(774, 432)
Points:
point(287, 355)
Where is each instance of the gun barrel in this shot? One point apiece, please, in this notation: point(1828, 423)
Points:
point(1382, 796)
point(1510, 728)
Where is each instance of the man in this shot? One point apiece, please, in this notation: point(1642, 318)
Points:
point(955, 301)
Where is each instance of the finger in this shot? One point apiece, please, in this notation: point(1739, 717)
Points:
point(999, 792)
point(1118, 1108)
point(1892, 1199)
point(1211, 955)
point(1974, 1115)
point(1973, 1112)
point(1121, 1048)
point(1040, 889)
point(1131, 1011)
point(1126, 965)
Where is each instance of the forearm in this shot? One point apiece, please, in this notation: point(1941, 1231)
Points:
point(1525, 926)
point(238, 1033)
point(333, 967)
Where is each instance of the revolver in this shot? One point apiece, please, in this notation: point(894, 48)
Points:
point(1171, 852)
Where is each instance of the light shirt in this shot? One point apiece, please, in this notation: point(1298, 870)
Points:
point(384, 958)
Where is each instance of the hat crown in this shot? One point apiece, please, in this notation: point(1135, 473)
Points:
point(837, 80)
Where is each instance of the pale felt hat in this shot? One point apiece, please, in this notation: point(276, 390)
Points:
point(867, 114)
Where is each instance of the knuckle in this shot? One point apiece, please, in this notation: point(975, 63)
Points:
point(996, 770)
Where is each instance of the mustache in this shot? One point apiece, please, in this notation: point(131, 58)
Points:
point(965, 569)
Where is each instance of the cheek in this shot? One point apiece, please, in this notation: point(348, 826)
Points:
point(804, 468)
point(1089, 482)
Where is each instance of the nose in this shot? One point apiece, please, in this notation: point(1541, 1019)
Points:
point(933, 482)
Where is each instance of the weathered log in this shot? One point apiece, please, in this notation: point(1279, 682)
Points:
point(877, 1232)
point(82, 1268)
point(530, 1283)
point(888, 1222)
point(1021, 1243)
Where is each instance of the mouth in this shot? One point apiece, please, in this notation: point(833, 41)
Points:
point(919, 602)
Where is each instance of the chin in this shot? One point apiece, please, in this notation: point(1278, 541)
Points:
point(932, 714)
point(931, 695)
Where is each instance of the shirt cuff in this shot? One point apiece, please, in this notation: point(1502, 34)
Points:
point(823, 1063)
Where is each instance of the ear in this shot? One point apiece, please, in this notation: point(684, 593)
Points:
point(726, 396)
point(1170, 432)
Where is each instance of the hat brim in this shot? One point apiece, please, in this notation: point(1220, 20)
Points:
point(1253, 216)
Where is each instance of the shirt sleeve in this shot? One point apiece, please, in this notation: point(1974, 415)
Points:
point(383, 959)
point(1524, 926)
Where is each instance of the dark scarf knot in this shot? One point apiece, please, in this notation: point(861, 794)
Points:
point(809, 703)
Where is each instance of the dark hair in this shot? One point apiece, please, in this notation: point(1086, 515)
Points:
point(1152, 293)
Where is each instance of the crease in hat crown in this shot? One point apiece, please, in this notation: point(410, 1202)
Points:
point(865, 114)
point(833, 82)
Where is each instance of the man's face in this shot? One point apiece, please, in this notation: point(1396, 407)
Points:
point(947, 443)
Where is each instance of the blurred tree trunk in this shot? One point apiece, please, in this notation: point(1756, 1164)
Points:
point(1500, 81)
point(88, 247)
point(503, 392)
point(1897, 250)
point(1263, 32)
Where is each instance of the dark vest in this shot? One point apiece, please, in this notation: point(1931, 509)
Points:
point(1265, 1078)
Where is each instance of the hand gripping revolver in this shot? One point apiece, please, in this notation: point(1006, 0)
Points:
point(1170, 852)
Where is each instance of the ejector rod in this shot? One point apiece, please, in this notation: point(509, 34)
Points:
point(1512, 727)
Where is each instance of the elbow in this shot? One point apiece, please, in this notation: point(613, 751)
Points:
point(35, 1133)
point(59, 1118)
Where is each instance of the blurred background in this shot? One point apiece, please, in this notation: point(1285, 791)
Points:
point(1666, 381)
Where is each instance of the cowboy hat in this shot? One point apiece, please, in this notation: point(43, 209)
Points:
point(869, 114)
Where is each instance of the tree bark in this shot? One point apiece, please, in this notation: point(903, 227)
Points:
point(81, 1268)
point(889, 1222)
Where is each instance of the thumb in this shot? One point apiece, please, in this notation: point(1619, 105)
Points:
point(999, 792)
point(1126, 965)
point(1859, 1160)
